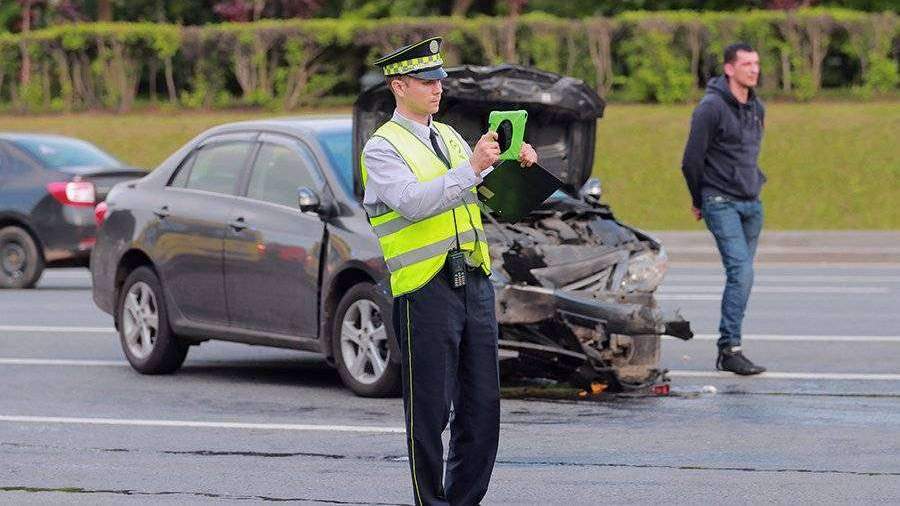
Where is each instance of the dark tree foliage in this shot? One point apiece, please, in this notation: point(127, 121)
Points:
point(187, 12)
point(254, 10)
point(41, 13)
point(585, 8)
point(45, 13)
point(234, 10)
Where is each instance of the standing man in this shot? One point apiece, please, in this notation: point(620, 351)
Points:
point(721, 168)
point(420, 178)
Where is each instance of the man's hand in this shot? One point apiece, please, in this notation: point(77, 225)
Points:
point(486, 152)
point(527, 155)
point(697, 214)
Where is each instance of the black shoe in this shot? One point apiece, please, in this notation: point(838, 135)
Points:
point(731, 359)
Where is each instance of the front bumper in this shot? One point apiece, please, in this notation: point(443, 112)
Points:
point(620, 313)
point(585, 337)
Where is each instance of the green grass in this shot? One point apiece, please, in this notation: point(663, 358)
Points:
point(140, 139)
point(831, 165)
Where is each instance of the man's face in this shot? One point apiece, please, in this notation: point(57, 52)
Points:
point(745, 69)
point(418, 95)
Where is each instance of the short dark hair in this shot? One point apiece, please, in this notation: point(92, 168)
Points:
point(396, 77)
point(731, 51)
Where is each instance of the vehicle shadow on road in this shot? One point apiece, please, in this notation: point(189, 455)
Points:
point(44, 288)
point(301, 372)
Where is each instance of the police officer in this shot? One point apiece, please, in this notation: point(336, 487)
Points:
point(420, 178)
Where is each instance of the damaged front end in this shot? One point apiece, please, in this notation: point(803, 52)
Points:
point(574, 287)
point(574, 297)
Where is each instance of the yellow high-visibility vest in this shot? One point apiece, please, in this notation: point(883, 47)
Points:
point(415, 251)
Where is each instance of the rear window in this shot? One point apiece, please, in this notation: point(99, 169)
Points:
point(339, 149)
point(65, 153)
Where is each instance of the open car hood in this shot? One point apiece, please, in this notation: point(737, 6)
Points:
point(562, 114)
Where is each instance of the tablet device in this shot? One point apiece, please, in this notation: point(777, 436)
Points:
point(512, 191)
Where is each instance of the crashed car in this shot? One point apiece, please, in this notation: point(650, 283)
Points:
point(254, 232)
point(574, 286)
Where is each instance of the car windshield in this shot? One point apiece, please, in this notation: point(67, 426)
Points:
point(338, 145)
point(61, 153)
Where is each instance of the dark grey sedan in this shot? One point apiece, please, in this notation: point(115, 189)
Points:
point(254, 232)
point(249, 233)
point(49, 186)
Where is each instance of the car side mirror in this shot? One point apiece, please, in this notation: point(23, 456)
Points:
point(308, 200)
point(591, 191)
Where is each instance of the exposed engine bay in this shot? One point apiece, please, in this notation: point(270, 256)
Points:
point(574, 287)
point(575, 297)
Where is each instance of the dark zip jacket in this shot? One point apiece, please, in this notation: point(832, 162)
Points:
point(722, 151)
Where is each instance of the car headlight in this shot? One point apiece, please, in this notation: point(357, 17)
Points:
point(645, 271)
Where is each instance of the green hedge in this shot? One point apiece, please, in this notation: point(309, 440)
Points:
point(640, 56)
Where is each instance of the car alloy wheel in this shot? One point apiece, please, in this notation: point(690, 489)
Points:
point(364, 342)
point(140, 320)
point(21, 262)
point(13, 260)
point(144, 332)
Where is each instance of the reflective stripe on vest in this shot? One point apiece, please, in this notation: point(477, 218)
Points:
point(414, 251)
point(398, 222)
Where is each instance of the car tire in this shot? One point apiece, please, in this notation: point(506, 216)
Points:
point(363, 330)
point(21, 261)
point(140, 308)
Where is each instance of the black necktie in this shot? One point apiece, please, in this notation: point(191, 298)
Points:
point(437, 148)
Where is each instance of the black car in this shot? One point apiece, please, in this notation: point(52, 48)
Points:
point(254, 232)
point(49, 186)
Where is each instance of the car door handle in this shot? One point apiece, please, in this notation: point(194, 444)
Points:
point(238, 224)
point(162, 212)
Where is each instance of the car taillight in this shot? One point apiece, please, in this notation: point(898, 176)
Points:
point(73, 193)
point(100, 212)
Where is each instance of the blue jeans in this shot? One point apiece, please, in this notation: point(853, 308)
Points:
point(736, 225)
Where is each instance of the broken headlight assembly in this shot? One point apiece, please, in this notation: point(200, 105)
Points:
point(646, 271)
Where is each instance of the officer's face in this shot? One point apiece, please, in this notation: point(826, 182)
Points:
point(745, 69)
point(418, 95)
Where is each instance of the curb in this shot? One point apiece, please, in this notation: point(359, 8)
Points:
point(881, 247)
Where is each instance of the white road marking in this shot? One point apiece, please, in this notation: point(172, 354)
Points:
point(799, 338)
point(787, 278)
point(200, 424)
point(59, 361)
point(790, 375)
point(50, 274)
point(664, 296)
point(840, 290)
point(806, 265)
point(56, 329)
point(812, 250)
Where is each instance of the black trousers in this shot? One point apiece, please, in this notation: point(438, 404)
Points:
point(448, 345)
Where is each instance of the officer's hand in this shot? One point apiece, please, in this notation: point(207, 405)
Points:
point(486, 152)
point(527, 155)
point(696, 212)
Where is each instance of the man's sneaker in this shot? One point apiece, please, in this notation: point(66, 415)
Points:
point(732, 359)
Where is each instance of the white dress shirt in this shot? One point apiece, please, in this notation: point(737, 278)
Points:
point(392, 185)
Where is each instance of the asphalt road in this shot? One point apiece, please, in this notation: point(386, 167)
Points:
point(241, 424)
